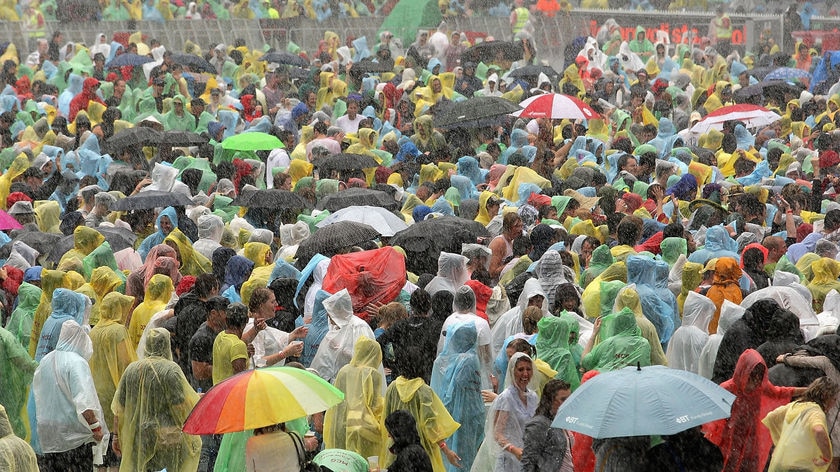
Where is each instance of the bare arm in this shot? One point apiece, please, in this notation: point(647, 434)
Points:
point(239, 365)
point(202, 370)
point(823, 442)
point(497, 257)
point(499, 433)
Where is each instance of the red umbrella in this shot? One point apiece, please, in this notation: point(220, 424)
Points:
point(753, 116)
point(7, 222)
point(555, 106)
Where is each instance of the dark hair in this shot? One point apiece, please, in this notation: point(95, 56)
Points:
point(549, 391)
point(204, 284)
point(832, 220)
point(673, 230)
point(236, 315)
point(521, 345)
point(562, 293)
point(217, 303)
point(258, 297)
point(629, 230)
point(521, 245)
point(402, 427)
point(442, 305)
point(420, 302)
point(622, 161)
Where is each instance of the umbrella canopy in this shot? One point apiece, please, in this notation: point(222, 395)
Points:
point(493, 51)
point(181, 138)
point(776, 89)
point(7, 222)
point(330, 239)
point(368, 66)
point(753, 116)
point(128, 59)
point(151, 199)
point(195, 63)
point(254, 141)
point(380, 219)
point(345, 161)
point(41, 242)
point(646, 401)
point(407, 17)
point(533, 71)
point(259, 398)
point(787, 73)
point(356, 197)
point(117, 238)
point(283, 57)
point(424, 241)
point(135, 137)
point(270, 198)
point(474, 109)
point(555, 106)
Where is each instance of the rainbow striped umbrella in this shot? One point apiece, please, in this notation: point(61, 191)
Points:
point(259, 398)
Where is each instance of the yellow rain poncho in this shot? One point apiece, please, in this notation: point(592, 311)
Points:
point(15, 453)
point(826, 271)
point(192, 262)
point(792, 431)
point(47, 215)
point(299, 169)
point(85, 240)
point(112, 350)
point(50, 281)
point(16, 169)
point(158, 292)
point(357, 424)
point(256, 253)
point(152, 403)
point(103, 281)
point(483, 216)
point(434, 423)
point(522, 175)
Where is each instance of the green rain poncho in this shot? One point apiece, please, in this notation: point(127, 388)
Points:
point(112, 350)
point(574, 336)
point(20, 323)
point(621, 345)
point(152, 403)
point(16, 369)
point(553, 348)
point(601, 259)
point(357, 423)
point(15, 454)
point(672, 248)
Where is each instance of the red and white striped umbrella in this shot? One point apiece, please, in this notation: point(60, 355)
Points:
point(753, 116)
point(555, 106)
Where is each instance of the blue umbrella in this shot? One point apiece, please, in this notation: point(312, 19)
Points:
point(129, 59)
point(787, 73)
point(646, 401)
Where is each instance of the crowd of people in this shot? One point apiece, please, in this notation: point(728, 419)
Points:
point(635, 237)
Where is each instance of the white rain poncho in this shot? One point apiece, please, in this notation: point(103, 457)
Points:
point(551, 272)
point(729, 314)
point(318, 275)
point(290, 238)
point(511, 322)
point(452, 273)
point(210, 229)
point(63, 389)
point(163, 178)
point(336, 348)
point(789, 299)
point(691, 337)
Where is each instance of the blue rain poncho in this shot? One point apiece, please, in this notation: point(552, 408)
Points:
point(158, 236)
point(658, 303)
point(318, 327)
point(67, 305)
point(456, 379)
point(718, 244)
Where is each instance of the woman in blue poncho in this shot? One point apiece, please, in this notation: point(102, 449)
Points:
point(166, 221)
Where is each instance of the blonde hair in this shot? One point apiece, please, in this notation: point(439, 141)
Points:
point(391, 313)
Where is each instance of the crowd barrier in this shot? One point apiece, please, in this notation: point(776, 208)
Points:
point(551, 34)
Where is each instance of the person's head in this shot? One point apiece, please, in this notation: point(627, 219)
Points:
point(217, 311)
point(823, 392)
point(776, 248)
point(262, 303)
point(282, 181)
point(832, 221)
point(464, 300)
point(512, 225)
point(236, 317)
point(352, 108)
point(554, 394)
point(391, 313)
point(523, 370)
point(420, 302)
point(206, 286)
point(530, 317)
point(629, 230)
point(566, 297)
point(628, 162)
point(589, 244)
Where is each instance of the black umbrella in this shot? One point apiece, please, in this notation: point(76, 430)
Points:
point(117, 238)
point(474, 109)
point(195, 63)
point(270, 198)
point(181, 138)
point(151, 199)
point(330, 239)
point(298, 73)
point(358, 197)
point(424, 241)
point(492, 51)
point(345, 161)
point(128, 59)
point(135, 137)
point(366, 66)
point(41, 242)
point(765, 90)
point(285, 58)
point(533, 71)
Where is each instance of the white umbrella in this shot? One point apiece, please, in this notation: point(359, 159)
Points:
point(380, 219)
point(753, 116)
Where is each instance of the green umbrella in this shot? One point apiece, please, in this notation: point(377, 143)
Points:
point(252, 142)
point(407, 17)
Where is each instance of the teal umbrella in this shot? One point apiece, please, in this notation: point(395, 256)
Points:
point(637, 401)
point(255, 141)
